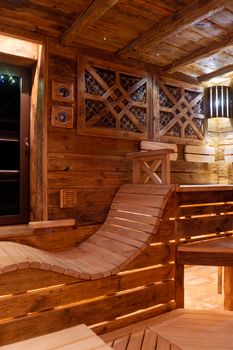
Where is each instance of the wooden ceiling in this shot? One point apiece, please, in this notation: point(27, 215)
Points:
point(191, 37)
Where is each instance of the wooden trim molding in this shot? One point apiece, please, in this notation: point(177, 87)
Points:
point(38, 139)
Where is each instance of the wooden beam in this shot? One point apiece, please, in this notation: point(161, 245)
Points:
point(187, 80)
point(88, 17)
point(216, 73)
point(194, 12)
point(200, 54)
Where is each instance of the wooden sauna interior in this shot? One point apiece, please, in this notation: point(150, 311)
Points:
point(116, 158)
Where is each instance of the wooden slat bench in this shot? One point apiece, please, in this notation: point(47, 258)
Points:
point(128, 229)
point(74, 338)
point(177, 330)
point(96, 281)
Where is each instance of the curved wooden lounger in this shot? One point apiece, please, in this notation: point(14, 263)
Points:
point(132, 221)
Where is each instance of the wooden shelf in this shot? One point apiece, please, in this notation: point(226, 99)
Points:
point(9, 176)
point(9, 139)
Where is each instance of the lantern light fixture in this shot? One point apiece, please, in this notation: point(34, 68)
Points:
point(219, 102)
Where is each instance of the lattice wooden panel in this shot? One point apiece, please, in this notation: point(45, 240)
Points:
point(181, 112)
point(114, 103)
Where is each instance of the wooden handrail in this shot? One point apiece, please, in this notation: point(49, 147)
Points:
point(145, 165)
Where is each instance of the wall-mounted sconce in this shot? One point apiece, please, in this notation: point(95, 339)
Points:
point(219, 102)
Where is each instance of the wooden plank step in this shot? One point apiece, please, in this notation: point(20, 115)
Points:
point(149, 341)
point(78, 337)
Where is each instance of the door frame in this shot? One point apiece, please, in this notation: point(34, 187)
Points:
point(24, 75)
point(38, 120)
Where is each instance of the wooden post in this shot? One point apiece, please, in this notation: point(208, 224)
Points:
point(166, 170)
point(228, 288)
point(136, 172)
point(179, 278)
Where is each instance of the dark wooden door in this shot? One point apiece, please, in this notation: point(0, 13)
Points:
point(14, 144)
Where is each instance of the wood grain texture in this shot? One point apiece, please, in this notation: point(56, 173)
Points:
point(75, 337)
point(90, 15)
point(190, 14)
point(175, 331)
point(38, 140)
point(181, 30)
point(200, 54)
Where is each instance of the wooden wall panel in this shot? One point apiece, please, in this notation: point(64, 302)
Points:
point(94, 167)
point(220, 135)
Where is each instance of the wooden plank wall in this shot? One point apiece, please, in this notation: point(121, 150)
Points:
point(220, 135)
point(95, 167)
point(144, 288)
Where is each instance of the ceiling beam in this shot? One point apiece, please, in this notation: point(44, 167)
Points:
point(203, 52)
point(194, 12)
point(216, 73)
point(88, 17)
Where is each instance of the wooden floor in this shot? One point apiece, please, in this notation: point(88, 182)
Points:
point(201, 288)
point(177, 330)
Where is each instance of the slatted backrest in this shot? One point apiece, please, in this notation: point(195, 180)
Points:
point(153, 146)
point(132, 221)
point(200, 154)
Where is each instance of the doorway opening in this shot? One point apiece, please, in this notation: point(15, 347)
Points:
point(14, 144)
point(23, 174)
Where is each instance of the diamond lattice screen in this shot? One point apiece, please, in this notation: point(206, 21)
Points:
point(115, 103)
point(181, 113)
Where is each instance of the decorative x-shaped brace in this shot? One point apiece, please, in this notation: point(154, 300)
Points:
point(145, 165)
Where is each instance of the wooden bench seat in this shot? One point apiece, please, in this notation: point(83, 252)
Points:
point(78, 337)
point(177, 330)
point(132, 222)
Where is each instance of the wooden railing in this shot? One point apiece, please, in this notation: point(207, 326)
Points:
point(151, 166)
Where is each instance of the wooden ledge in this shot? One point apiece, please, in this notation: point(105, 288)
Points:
point(220, 245)
point(149, 154)
point(36, 225)
point(205, 187)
